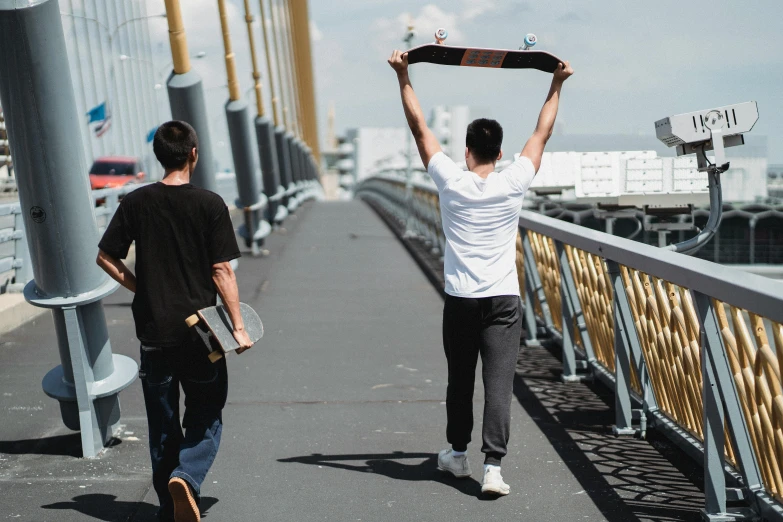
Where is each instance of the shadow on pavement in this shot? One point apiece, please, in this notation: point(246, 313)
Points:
point(387, 464)
point(62, 445)
point(628, 479)
point(102, 506)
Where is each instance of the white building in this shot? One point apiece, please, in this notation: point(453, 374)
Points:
point(450, 124)
point(378, 148)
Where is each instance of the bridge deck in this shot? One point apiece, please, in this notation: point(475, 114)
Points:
point(338, 413)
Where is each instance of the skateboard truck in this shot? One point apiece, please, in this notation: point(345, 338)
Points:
point(530, 42)
point(441, 35)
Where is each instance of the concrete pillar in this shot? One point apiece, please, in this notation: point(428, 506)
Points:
point(43, 124)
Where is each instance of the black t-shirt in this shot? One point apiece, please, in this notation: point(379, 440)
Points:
point(180, 232)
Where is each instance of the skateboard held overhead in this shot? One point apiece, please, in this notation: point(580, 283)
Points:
point(441, 54)
point(214, 327)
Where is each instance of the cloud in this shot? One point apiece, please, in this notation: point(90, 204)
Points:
point(315, 33)
point(570, 17)
point(389, 32)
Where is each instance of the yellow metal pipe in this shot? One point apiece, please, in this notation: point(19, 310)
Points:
point(231, 68)
point(301, 44)
point(290, 62)
point(177, 38)
point(302, 31)
point(296, 80)
point(278, 59)
point(297, 46)
point(254, 59)
point(267, 46)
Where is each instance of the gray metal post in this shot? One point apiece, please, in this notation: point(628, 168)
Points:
point(23, 273)
point(531, 270)
point(284, 161)
point(307, 154)
point(251, 200)
point(530, 314)
point(293, 199)
point(569, 346)
point(267, 153)
point(40, 111)
point(719, 395)
point(186, 97)
point(296, 169)
point(622, 355)
point(576, 308)
point(300, 151)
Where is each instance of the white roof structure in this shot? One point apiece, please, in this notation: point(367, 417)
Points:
point(640, 179)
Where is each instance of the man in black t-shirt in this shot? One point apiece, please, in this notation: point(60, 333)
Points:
point(184, 244)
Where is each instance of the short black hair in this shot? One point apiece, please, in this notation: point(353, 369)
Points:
point(484, 139)
point(173, 142)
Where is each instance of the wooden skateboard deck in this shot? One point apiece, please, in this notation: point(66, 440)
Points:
point(214, 326)
point(488, 58)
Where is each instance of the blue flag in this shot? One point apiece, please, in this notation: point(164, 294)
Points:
point(97, 113)
point(151, 135)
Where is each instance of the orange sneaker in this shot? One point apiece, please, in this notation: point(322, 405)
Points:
point(185, 508)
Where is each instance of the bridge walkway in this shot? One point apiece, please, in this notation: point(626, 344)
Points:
point(338, 414)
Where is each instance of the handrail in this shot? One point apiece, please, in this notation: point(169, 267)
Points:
point(754, 293)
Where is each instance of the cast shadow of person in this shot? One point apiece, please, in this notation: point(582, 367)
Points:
point(102, 506)
point(389, 465)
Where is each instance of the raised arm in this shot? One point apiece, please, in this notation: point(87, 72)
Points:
point(534, 148)
point(426, 141)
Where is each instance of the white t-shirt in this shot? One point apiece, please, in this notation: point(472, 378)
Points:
point(480, 221)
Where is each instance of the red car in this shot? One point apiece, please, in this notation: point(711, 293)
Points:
point(115, 171)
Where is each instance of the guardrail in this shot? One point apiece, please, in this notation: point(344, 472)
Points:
point(15, 267)
point(691, 348)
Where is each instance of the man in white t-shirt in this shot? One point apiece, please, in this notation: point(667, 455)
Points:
point(480, 212)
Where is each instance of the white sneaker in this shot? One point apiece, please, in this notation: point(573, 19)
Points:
point(493, 482)
point(457, 466)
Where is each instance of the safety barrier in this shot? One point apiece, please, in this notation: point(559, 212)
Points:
point(691, 348)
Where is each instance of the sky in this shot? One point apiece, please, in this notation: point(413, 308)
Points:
point(634, 62)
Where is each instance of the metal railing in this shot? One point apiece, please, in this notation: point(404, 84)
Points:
point(15, 267)
point(691, 348)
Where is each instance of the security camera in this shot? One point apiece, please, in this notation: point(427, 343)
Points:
point(700, 131)
point(693, 131)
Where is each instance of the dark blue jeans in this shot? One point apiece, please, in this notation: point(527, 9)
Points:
point(205, 385)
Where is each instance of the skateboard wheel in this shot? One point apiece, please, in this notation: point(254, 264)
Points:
point(530, 40)
point(215, 356)
point(192, 321)
point(441, 35)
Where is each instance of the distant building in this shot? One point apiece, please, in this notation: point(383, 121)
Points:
point(376, 149)
point(775, 181)
point(745, 182)
point(450, 124)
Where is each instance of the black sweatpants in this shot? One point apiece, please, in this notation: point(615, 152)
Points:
point(492, 327)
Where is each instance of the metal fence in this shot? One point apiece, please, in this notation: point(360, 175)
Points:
point(691, 348)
